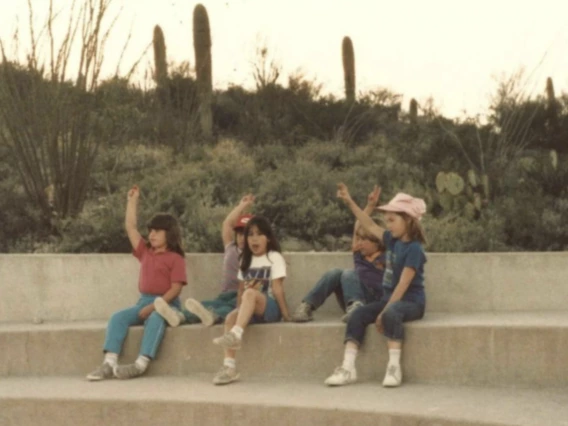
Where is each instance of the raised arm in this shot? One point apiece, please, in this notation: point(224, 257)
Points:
point(372, 201)
point(130, 220)
point(364, 219)
point(231, 219)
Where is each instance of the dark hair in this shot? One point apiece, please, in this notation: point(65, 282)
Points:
point(414, 228)
point(265, 229)
point(168, 223)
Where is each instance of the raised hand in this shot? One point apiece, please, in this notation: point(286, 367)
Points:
point(247, 200)
point(373, 197)
point(133, 193)
point(343, 192)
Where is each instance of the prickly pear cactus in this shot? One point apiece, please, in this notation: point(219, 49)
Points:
point(454, 183)
point(441, 181)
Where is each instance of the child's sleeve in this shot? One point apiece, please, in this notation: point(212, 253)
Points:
point(278, 269)
point(178, 274)
point(415, 257)
point(139, 251)
point(240, 275)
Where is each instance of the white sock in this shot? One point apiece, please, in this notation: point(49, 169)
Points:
point(142, 362)
point(349, 359)
point(238, 331)
point(111, 359)
point(394, 356)
point(230, 362)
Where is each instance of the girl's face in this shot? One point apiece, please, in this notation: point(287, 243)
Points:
point(240, 238)
point(157, 239)
point(396, 225)
point(256, 241)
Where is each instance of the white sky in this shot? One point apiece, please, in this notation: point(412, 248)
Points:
point(452, 50)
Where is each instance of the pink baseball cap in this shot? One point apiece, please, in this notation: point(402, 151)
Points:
point(242, 221)
point(404, 203)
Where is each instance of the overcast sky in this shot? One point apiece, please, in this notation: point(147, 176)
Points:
point(451, 50)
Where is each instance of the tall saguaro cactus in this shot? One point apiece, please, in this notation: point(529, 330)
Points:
point(160, 64)
point(551, 105)
point(348, 55)
point(202, 48)
point(413, 111)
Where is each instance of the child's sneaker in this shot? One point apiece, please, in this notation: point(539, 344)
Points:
point(207, 317)
point(102, 372)
point(303, 313)
point(225, 376)
point(172, 316)
point(350, 309)
point(228, 341)
point(129, 371)
point(341, 376)
point(393, 376)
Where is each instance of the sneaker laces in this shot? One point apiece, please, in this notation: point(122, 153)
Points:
point(391, 370)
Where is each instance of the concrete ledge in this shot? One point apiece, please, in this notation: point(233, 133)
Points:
point(152, 401)
point(87, 287)
point(507, 349)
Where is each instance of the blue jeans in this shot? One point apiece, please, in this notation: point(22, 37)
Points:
point(393, 317)
point(154, 327)
point(346, 286)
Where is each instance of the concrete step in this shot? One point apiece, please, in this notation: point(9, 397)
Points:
point(56, 401)
point(503, 349)
point(57, 287)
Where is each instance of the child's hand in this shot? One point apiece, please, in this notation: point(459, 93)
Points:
point(146, 311)
point(247, 200)
point(379, 323)
point(134, 193)
point(343, 192)
point(373, 197)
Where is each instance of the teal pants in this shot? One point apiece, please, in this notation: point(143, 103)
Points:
point(222, 305)
point(121, 321)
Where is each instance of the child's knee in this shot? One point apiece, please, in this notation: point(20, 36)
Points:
point(391, 316)
point(249, 295)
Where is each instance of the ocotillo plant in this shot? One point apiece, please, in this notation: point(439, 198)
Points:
point(202, 48)
point(160, 64)
point(348, 55)
point(413, 111)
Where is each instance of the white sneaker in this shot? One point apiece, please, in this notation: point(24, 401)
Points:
point(393, 376)
point(207, 317)
point(225, 376)
point(341, 376)
point(172, 316)
point(350, 309)
point(229, 340)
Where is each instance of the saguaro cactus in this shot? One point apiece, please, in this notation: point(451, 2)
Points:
point(551, 105)
point(348, 55)
point(203, 68)
point(160, 64)
point(413, 111)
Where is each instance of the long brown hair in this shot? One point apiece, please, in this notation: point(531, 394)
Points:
point(414, 228)
point(168, 223)
point(265, 229)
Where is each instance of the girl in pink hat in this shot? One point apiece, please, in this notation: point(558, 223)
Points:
point(403, 299)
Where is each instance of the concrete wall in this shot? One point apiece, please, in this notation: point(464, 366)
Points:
point(85, 287)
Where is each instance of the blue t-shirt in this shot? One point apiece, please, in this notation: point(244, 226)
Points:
point(402, 254)
point(370, 273)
